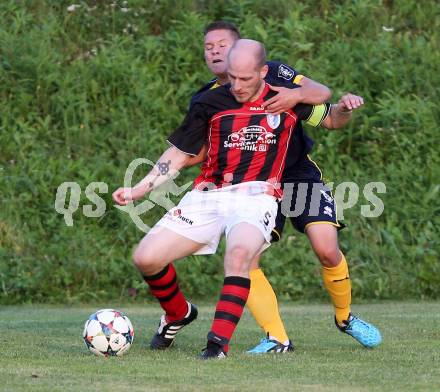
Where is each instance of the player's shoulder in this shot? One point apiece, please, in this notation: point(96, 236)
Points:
point(278, 70)
point(215, 94)
point(206, 87)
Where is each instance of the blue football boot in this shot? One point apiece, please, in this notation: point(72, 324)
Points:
point(366, 334)
point(267, 345)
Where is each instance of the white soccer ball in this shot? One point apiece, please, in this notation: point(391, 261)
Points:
point(108, 332)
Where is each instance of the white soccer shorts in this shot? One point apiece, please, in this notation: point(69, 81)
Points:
point(204, 216)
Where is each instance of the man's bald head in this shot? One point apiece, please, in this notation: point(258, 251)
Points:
point(249, 52)
point(247, 69)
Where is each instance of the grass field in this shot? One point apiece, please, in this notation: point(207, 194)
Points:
point(42, 350)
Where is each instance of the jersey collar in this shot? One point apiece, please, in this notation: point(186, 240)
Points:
point(260, 100)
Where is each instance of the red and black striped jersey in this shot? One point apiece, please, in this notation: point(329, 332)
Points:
point(298, 166)
point(245, 144)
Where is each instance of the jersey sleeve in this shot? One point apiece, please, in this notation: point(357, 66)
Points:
point(313, 115)
point(191, 135)
point(282, 74)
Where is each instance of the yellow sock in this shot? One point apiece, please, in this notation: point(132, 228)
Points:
point(263, 304)
point(338, 285)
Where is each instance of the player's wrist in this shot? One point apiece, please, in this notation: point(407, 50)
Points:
point(142, 188)
point(299, 95)
point(345, 111)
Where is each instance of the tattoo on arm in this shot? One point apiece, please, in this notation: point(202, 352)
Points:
point(164, 168)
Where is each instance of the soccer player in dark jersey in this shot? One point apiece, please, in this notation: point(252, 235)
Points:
point(235, 193)
point(318, 218)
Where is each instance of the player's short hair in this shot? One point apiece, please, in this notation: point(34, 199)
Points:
point(222, 25)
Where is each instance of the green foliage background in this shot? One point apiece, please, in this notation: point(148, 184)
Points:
point(83, 93)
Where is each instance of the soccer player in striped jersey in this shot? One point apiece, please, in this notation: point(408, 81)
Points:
point(235, 193)
point(306, 188)
point(219, 38)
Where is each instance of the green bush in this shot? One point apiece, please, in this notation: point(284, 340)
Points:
point(85, 92)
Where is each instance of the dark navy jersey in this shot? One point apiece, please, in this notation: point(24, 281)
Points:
point(244, 142)
point(279, 74)
point(297, 165)
point(208, 86)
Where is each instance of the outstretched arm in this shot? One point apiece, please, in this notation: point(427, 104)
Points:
point(310, 92)
point(340, 114)
point(171, 161)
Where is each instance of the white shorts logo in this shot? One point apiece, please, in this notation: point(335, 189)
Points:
point(177, 214)
point(273, 120)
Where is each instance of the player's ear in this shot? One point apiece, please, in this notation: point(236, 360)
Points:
point(264, 70)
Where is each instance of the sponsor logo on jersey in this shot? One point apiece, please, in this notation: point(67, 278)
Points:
point(285, 72)
point(251, 138)
point(256, 108)
point(273, 120)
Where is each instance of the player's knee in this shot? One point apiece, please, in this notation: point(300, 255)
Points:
point(237, 261)
point(145, 260)
point(329, 256)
